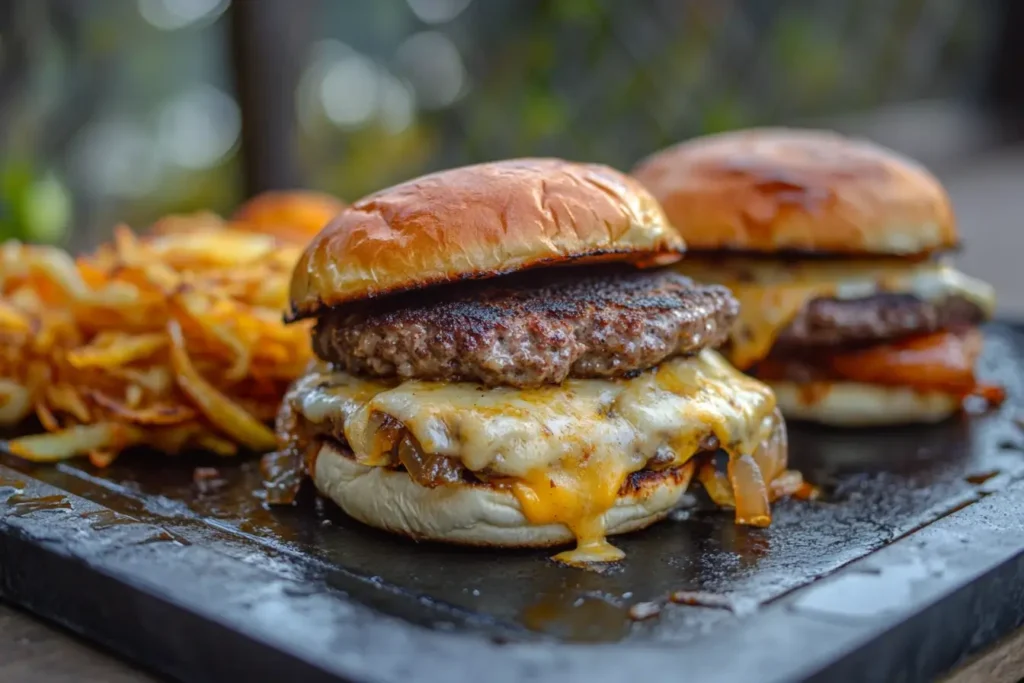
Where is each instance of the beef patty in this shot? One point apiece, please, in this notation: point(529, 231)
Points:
point(530, 329)
point(875, 319)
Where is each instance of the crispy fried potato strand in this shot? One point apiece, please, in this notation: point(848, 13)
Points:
point(79, 440)
point(172, 339)
point(230, 417)
point(15, 402)
point(113, 348)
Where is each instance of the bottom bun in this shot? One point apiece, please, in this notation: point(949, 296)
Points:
point(476, 514)
point(851, 404)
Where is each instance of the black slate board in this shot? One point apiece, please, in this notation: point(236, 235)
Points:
point(918, 545)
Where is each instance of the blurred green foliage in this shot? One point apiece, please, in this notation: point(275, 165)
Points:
point(812, 58)
point(371, 160)
point(34, 206)
point(588, 79)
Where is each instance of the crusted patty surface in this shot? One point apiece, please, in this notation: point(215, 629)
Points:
point(879, 318)
point(530, 329)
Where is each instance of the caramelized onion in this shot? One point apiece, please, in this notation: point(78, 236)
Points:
point(791, 483)
point(387, 432)
point(752, 481)
point(773, 450)
point(716, 484)
point(750, 491)
point(428, 470)
point(283, 473)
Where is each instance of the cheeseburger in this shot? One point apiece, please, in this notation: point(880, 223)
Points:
point(836, 250)
point(500, 366)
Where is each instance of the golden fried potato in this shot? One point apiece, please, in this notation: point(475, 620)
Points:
point(172, 340)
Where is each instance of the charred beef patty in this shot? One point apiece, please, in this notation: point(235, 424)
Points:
point(530, 329)
point(875, 319)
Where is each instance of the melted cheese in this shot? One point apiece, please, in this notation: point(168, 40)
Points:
point(565, 450)
point(578, 498)
point(772, 293)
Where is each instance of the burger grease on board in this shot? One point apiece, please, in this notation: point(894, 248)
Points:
point(836, 250)
point(498, 368)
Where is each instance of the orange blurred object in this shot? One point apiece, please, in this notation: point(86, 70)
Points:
point(939, 362)
point(942, 362)
point(294, 215)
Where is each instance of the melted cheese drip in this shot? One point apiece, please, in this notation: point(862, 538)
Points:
point(564, 451)
point(578, 498)
point(771, 293)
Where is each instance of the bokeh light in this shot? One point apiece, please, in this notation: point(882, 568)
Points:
point(170, 15)
point(115, 156)
point(348, 90)
point(198, 128)
point(351, 91)
point(437, 11)
point(433, 65)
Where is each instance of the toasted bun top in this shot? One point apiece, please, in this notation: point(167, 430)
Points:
point(477, 222)
point(776, 189)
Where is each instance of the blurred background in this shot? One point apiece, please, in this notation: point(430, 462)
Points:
point(124, 110)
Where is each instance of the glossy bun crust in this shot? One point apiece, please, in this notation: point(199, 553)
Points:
point(776, 189)
point(477, 222)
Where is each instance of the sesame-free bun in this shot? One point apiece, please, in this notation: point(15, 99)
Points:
point(477, 222)
point(777, 189)
point(475, 514)
point(852, 404)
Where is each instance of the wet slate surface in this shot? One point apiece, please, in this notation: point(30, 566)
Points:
point(920, 533)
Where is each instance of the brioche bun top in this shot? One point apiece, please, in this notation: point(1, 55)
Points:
point(477, 222)
point(793, 190)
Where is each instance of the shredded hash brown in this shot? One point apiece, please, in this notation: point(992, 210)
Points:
point(173, 340)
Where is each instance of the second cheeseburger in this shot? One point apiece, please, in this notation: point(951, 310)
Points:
point(835, 248)
point(496, 369)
